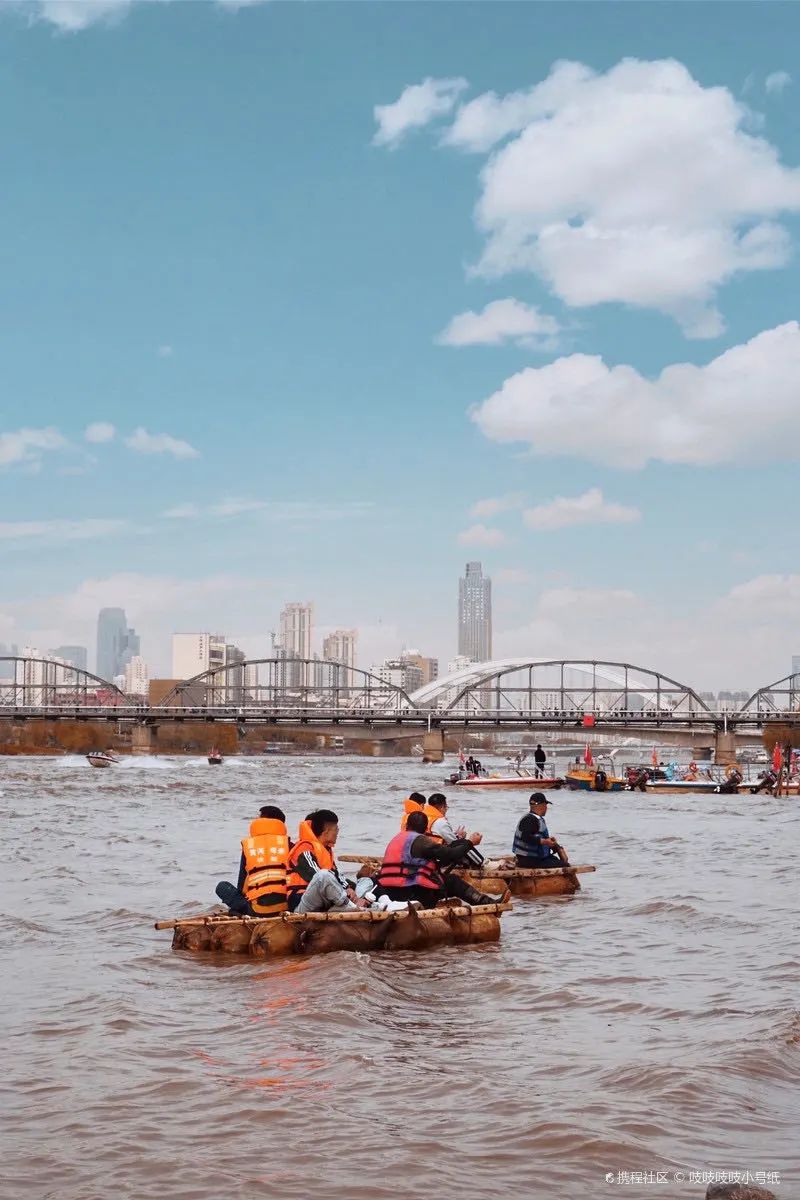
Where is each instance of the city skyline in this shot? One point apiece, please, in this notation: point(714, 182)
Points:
point(400, 355)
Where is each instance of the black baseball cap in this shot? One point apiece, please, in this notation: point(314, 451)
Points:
point(539, 798)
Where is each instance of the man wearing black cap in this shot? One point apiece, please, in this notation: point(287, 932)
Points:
point(533, 846)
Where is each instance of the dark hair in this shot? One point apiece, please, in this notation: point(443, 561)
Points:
point(418, 796)
point(417, 823)
point(270, 812)
point(437, 800)
point(320, 819)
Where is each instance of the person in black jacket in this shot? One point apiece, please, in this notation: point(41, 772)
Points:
point(533, 846)
point(415, 868)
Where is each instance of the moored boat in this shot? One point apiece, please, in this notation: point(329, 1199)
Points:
point(522, 882)
point(529, 782)
point(593, 779)
point(214, 757)
point(323, 933)
point(101, 758)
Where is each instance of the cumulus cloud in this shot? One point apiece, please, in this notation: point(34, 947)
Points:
point(766, 596)
point(493, 505)
point(28, 445)
point(60, 529)
point(72, 16)
point(502, 321)
point(417, 106)
point(637, 185)
point(740, 407)
point(588, 509)
point(99, 431)
point(777, 82)
point(481, 535)
point(160, 443)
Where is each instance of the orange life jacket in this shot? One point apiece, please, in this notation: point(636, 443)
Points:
point(411, 806)
point(306, 840)
point(266, 852)
point(399, 869)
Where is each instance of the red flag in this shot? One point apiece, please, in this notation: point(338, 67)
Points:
point(777, 757)
point(587, 756)
point(654, 757)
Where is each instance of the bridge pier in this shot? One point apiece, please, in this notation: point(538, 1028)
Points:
point(144, 739)
point(433, 746)
point(724, 749)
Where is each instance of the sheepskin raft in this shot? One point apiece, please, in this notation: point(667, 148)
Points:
point(321, 933)
point(522, 882)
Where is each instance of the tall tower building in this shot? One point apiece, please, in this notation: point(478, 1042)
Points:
point(116, 643)
point(340, 647)
point(475, 614)
point(296, 630)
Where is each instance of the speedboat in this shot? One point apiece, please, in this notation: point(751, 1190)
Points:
point(214, 757)
point(594, 777)
point(101, 758)
point(528, 781)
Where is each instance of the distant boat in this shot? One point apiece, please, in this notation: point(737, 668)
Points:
point(101, 758)
point(214, 757)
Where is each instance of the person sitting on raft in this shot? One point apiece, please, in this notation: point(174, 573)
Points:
point(533, 846)
point(261, 887)
point(412, 868)
point(314, 883)
point(441, 830)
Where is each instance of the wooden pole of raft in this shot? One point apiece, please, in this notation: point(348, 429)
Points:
point(489, 868)
point(363, 916)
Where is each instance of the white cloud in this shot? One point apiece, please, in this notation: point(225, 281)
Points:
point(273, 510)
point(777, 82)
point(587, 509)
point(27, 445)
point(740, 407)
point(586, 600)
point(72, 16)
point(160, 443)
point(141, 594)
point(637, 186)
point(481, 535)
point(99, 431)
point(766, 596)
point(60, 529)
point(512, 575)
point(493, 505)
point(165, 352)
point(417, 106)
point(502, 321)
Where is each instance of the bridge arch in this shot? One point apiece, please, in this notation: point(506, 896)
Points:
point(542, 686)
point(782, 696)
point(44, 683)
point(288, 683)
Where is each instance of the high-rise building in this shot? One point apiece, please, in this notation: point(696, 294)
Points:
point(429, 667)
point(195, 653)
point(40, 676)
point(399, 673)
point(116, 643)
point(475, 614)
point(77, 655)
point(340, 647)
point(137, 677)
point(292, 643)
point(296, 629)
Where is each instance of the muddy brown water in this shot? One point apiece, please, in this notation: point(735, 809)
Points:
point(649, 1024)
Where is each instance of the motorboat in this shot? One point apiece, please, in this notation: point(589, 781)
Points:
point(594, 777)
point(214, 757)
point(101, 758)
point(526, 780)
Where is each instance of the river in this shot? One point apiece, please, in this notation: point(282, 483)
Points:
point(649, 1024)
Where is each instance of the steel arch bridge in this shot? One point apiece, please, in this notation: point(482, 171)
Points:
point(776, 699)
point(299, 684)
point(560, 688)
point(42, 683)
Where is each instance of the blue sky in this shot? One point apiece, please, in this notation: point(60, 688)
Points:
point(209, 238)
